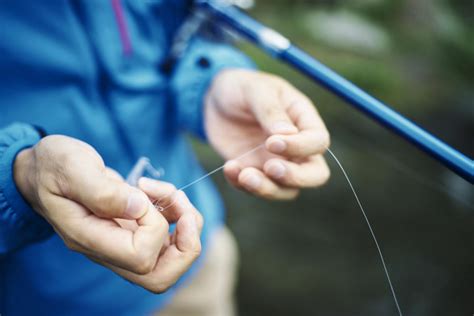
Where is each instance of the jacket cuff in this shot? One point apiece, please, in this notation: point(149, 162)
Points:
point(193, 76)
point(19, 223)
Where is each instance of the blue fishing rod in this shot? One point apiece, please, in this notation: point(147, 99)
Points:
point(226, 14)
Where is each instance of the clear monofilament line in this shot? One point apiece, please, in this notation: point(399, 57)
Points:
point(371, 230)
point(218, 169)
point(210, 173)
point(353, 191)
point(162, 209)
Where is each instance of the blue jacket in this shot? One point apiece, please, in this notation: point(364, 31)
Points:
point(91, 70)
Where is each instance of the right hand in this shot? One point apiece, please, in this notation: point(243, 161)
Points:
point(97, 214)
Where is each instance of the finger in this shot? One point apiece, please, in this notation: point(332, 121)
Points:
point(181, 206)
point(105, 195)
point(165, 197)
point(156, 189)
point(174, 203)
point(174, 262)
point(124, 223)
point(232, 169)
point(256, 182)
point(160, 192)
point(84, 232)
point(300, 108)
point(313, 137)
point(303, 144)
point(129, 224)
point(113, 174)
point(312, 173)
point(266, 104)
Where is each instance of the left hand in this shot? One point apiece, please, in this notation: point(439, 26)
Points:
point(246, 108)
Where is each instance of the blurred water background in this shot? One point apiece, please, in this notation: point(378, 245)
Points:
point(314, 256)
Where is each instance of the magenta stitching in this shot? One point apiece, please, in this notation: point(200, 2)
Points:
point(122, 26)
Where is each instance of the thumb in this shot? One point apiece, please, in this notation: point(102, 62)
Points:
point(269, 109)
point(107, 196)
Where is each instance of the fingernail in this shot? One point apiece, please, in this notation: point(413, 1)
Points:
point(136, 206)
point(283, 127)
point(277, 146)
point(277, 170)
point(253, 182)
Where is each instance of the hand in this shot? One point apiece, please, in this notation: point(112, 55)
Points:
point(97, 214)
point(244, 109)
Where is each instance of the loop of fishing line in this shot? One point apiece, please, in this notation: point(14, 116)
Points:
point(354, 193)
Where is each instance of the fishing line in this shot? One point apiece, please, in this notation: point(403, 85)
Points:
point(220, 168)
point(356, 196)
point(370, 229)
point(184, 187)
point(200, 18)
point(399, 165)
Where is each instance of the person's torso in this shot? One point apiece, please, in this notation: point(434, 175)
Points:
point(91, 70)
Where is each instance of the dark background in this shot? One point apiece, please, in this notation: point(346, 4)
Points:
point(315, 256)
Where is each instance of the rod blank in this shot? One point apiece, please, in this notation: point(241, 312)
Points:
point(281, 48)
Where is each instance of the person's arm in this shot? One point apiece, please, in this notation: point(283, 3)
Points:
point(93, 210)
point(237, 109)
point(19, 223)
point(247, 109)
point(193, 76)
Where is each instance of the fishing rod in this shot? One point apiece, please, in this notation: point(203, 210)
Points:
point(278, 46)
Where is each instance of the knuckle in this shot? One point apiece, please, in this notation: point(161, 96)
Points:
point(195, 251)
point(199, 220)
point(171, 186)
point(277, 79)
point(167, 188)
point(68, 162)
point(50, 142)
point(62, 182)
point(143, 264)
point(158, 288)
point(270, 110)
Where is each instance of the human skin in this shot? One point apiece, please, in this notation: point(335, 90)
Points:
point(97, 214)
point(246, 108)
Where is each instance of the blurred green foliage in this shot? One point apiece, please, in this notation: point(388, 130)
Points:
point(314, 256)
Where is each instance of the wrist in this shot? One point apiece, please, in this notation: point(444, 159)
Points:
point(23, 174)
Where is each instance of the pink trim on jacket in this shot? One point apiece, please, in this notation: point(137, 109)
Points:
point(122, 26)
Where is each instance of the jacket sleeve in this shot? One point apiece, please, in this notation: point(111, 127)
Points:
point(19, 223)
point(193, 75)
